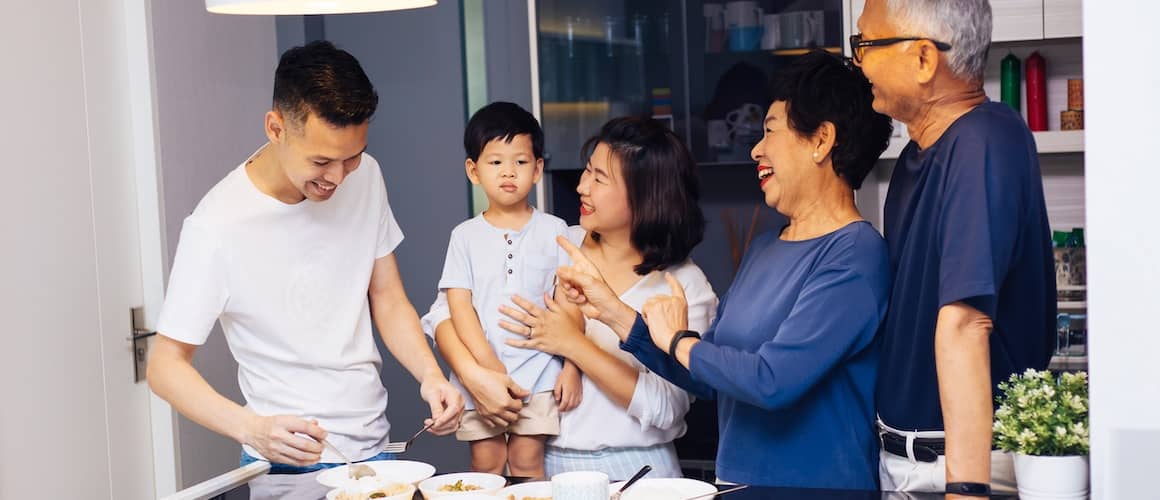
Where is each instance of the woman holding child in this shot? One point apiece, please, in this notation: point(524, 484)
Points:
point(791, 357)
point(639, 219)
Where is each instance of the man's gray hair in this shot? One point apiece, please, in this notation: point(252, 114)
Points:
point(964, 24)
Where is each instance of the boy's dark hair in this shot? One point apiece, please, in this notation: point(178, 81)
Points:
point(322, 79)
point(822, 87)
point(501, 120)
point(661, 179)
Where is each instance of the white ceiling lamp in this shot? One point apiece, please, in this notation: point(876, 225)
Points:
point(307, 7)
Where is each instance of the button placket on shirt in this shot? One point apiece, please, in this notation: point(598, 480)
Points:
point(510, 257)
point(505, 351)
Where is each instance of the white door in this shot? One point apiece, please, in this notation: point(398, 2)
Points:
point(73, 422)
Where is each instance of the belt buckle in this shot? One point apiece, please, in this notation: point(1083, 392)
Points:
point(924, 453)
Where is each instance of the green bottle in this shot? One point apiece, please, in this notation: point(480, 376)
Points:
point(1009, 81)
point(1077, 237)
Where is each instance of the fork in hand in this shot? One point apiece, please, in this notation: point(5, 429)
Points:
point(401, 446)
point(355, 471)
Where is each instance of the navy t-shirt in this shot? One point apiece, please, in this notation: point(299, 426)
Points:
point(965, 221)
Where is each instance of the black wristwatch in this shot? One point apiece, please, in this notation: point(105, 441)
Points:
point(969, 489)
point(681, 334)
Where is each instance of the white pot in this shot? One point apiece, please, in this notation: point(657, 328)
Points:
point(1055, 478)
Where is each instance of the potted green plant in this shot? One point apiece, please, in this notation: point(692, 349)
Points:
point(1043, 419)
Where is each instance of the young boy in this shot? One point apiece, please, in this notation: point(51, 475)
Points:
point(509, 249)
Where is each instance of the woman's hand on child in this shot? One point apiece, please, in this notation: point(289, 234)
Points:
point(549, 329)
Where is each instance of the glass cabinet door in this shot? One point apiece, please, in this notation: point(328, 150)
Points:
point(603, 59)
point(734, 49)
point(701, 67)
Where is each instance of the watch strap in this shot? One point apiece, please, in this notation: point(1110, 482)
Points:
point(681, 334)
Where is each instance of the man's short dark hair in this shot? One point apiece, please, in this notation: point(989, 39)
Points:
point(822, 87)
point(322, 79)
point(661, 179)
point(501, 120)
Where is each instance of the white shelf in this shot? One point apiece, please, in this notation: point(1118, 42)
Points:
point(1071, 288)
point(1068, 363)
point(1047, 142)
point(1059, 141)
point(1071, 305)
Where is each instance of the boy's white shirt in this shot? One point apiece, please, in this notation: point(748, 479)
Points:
point(289, 285)
point(495, 264)
point(656, 413)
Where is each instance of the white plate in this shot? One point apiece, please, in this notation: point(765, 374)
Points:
point(403, 471)
point(370, 484)
point(531, 489)
point(488, 483)
point(659, 488)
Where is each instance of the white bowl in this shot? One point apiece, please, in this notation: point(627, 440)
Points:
point(475, 496)
point(366, 485)
point(403, 471)
point(662, 488)
point(538, 489)
point(489, 484)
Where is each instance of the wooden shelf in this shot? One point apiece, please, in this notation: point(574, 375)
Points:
point(1071, 305)
point(804, 51)
point(1047, 142)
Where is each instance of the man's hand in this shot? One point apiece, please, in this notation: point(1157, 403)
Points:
point(283, 439)
point(498, 398)
point(446, 404)
point(568, 390)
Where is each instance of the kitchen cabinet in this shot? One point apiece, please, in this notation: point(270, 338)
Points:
point(1062, 18)
point(1017, 20)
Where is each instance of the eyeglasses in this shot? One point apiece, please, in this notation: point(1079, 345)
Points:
point(858, 45)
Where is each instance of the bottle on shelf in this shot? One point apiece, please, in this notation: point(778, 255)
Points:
point(1036, 92)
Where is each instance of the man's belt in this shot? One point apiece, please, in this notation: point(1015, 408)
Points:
point(925, 449)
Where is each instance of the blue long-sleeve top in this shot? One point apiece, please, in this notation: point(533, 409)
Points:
point(792, 360)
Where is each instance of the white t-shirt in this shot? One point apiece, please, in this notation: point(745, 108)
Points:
point(495, 264)
point(656, 413)
point(289, 285)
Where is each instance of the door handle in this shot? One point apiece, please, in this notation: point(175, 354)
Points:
point(138, 337)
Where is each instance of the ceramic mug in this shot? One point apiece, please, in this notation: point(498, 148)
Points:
point(714, 27)
point(745, 120)
point(580, 485)
point(793, 34)
point(743, 14)
point(744, 39)
point(814, 27)
point(718, 134)
point(771, 37)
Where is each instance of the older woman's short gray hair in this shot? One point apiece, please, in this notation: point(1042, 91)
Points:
point(964, 24)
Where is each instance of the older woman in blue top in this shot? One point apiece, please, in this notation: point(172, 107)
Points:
point(791, 358)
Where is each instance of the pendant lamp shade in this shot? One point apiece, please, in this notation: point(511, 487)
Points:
point(308, 7)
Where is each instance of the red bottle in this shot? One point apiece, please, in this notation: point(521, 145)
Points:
point(1036, 92)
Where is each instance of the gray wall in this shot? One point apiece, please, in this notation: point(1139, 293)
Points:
point(414, 58)
point(214, 78)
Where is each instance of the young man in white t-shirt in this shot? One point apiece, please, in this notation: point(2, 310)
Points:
point(292, 253)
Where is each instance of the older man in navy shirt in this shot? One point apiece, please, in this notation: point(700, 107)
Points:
point(973, 298)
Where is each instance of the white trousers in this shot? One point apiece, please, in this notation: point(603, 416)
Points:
point(897, 473)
